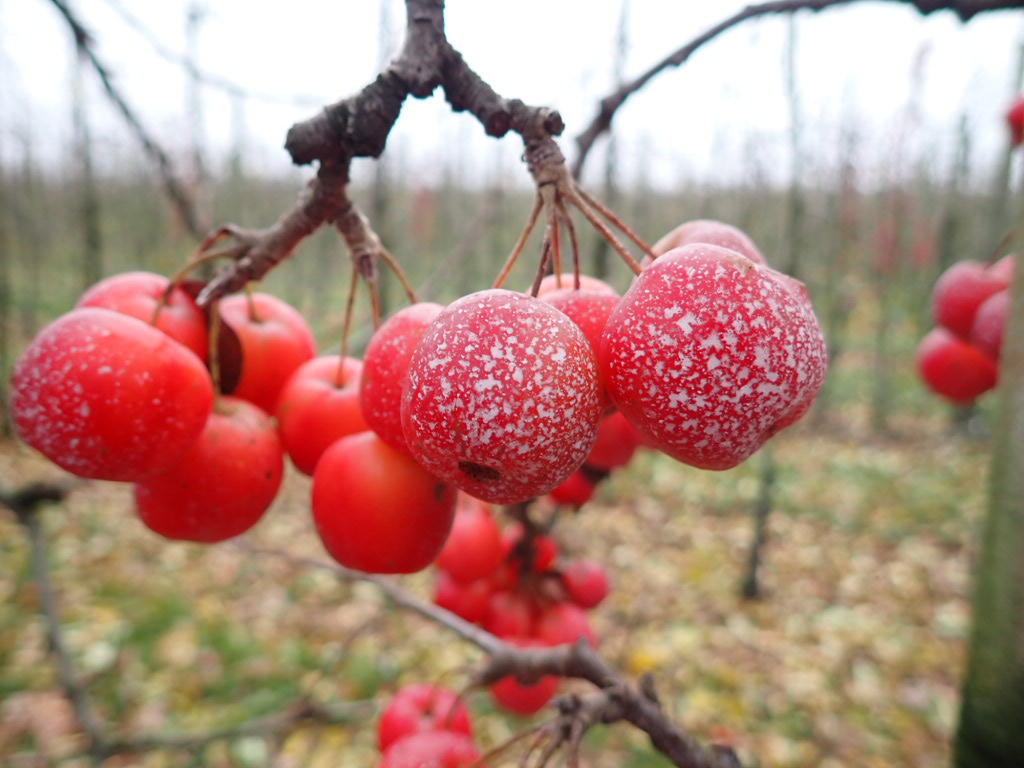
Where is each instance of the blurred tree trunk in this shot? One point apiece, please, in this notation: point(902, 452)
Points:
point(1000, 210)
point(991, 730)
point(792, 237)
point(750, 585)
point(6, 308)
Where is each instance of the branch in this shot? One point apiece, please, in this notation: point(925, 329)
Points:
point(616, 700)
point(609, 105)
point(180, 198)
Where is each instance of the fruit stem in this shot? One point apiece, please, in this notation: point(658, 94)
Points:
point(574, 241)
point(346, 327)
point(213, 348)
point(396, 268)
point(573, 197)
point(612, 217)
point(189, 266)
point(251, 304)
point(542, 268)
point(521, 242)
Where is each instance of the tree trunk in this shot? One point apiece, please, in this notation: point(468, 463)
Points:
point(991, 731)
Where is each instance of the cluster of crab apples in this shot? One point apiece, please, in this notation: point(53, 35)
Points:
point(501, 394)
point(958, 359)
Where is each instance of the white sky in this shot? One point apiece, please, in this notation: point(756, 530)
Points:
point(698, 122)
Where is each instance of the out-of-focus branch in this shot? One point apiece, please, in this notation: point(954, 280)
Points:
point(616, 700)
point(179, 197)
point(610, 104)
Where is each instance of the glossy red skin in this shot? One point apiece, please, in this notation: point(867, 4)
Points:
point(712, 232)
point(421, 707)
point(566, 281)
point(617, 441)
point(275, 342)
point(952, 368)
point(586, 583)
point(1015, 121)
point(1003, 268)
point(521, 699)
point(503, 397)
point(386, 370)
point(563, 623)
point(313, 411)
point(468, 599)
point(224, 483)
point(708, 355)
point(990, 324)
point(431, 749)
point(545, 550)
point(109, 397)
point(474, 548)
point(138, 294)
point(509, 614)
point(576, 491)
point(958, 293)
point(377, 510)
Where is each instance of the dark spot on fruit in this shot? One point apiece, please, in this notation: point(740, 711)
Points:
point(480, 472)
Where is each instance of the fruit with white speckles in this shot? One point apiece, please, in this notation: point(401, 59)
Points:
point(709, 354)
point(225, 482)
point(712, 232)
point(503, 397)
point(386, 369)
point(109, 397)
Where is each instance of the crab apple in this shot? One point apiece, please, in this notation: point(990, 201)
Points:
point(474, 548)
point(520, 698)
point(567, 281)
point(990, 324)
point(421, 707)
point(468, 599)
point(376, 509)
point(275, 340)
point(224, 483)
point(318, 405)
point(562, 623)
point(543, 548)
point(960, 290)
point(503, 398)
point(109, 397)
point(1003, 268)
point(617, 441)
point(713, 232)
point(575, 491)
point(509, 614)
point(386, 369)
point(586, 583)
point(139, 294)
point(708, 354)
point(952, 368)
point(431, 749)
point(1015, 121)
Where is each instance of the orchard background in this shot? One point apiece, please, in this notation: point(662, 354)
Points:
point(854, 653)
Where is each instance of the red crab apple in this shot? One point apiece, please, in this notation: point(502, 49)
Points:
point(468, 599)
point(617, 441)
point(712, 232)
point(586, 582)
point(561, 623)
point(386, 370)
point(224, 483)
point(275, 340)
point(109, 397)
point(952, 368)
point(709, 354)
point(431, 749)
point(575, 491)
point(1015, 121)
point(567, 281)
point(318, 405)
point(138, 294)
point(524, 699)
point(421, 707)
point(503, 397)
point(960, 290)
point(474, 547)
point(376, 509)
point(989, 324)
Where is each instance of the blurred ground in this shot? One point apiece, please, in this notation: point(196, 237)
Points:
point(852, 659)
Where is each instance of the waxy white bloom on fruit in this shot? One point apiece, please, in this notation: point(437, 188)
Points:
point(709, 354)
point(503, 397)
